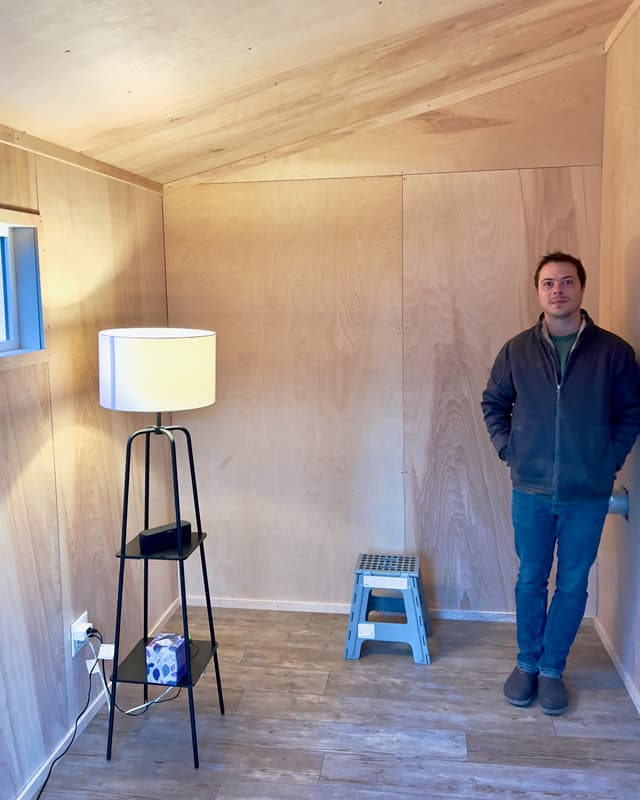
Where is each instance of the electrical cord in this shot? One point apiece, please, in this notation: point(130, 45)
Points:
point(73, 736)
point(136, 711)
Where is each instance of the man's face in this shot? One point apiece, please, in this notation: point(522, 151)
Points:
point(559, 290)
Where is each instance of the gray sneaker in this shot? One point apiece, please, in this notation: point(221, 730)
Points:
point(520, 687)
point(552, 696)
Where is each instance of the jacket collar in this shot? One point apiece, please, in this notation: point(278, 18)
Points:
point(544, 331)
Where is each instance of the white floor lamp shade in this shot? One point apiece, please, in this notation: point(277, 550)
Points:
point(157, 369)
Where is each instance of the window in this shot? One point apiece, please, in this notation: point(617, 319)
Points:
point(5, 288)
point(21, 325)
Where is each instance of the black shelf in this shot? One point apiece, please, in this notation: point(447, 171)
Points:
point(132, 550)
point(134, 667)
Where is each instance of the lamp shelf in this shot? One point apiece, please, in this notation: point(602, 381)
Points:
point(132, 549)
point(133, 669)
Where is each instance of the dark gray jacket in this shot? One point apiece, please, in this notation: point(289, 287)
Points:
point(564, 438)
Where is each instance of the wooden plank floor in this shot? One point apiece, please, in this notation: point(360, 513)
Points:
point(302, 723)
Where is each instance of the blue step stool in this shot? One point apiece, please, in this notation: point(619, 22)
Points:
point(389, 573)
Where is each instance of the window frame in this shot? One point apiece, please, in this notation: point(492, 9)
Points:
point(20, 293)
point(8, 305)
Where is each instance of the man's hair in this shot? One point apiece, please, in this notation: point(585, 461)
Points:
point(561, 258)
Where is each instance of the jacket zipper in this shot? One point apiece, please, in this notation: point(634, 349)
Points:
point(556, 447)
point(555, 365)
point(555, 475)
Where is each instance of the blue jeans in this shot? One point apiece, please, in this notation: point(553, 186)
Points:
point(540, 524)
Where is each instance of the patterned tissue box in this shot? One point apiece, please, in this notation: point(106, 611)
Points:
point(166, 659)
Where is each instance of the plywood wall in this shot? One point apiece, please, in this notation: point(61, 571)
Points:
point(17, 179)
point(322, 406)
point(33, 697)
point(618, 615)
point(300, 459)
point(471, 242)
point(112, 277)
point(102, 265)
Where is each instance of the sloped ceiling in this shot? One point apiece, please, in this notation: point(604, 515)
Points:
point(170, 90)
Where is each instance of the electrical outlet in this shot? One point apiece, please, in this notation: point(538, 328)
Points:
point(79, 634)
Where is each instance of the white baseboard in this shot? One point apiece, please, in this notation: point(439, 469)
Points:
point(475, 616)
point(632, 689)
point(341, 608)
point(165, 616)
point(271, 605)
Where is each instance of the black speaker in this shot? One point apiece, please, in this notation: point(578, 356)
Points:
point(164, 537)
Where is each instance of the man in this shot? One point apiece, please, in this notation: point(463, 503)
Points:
point(562, 407)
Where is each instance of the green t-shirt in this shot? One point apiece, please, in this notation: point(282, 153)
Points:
point(563, 345)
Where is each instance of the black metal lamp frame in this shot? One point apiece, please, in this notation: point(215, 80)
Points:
point(180, 554)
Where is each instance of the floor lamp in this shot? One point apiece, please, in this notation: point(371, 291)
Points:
point(159, 370)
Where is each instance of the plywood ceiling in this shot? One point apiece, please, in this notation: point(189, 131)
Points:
point(169, 90)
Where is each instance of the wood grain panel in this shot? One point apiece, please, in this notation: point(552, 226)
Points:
point(554, 752)
point(562, 212)
point(464, 262)
point(478, 781)
point(425, 67)
point(470, 246)
point(278, 76)
point(619, 560)
point(33, 703)
point(511, 128)
point(321, 736)
point(102, 266)
point(300, 458)
point(621, 24)
point(17, 179)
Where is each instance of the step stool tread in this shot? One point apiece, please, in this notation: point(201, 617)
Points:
point(369, 563)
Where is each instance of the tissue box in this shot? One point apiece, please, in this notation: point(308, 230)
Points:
point(166, 659)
